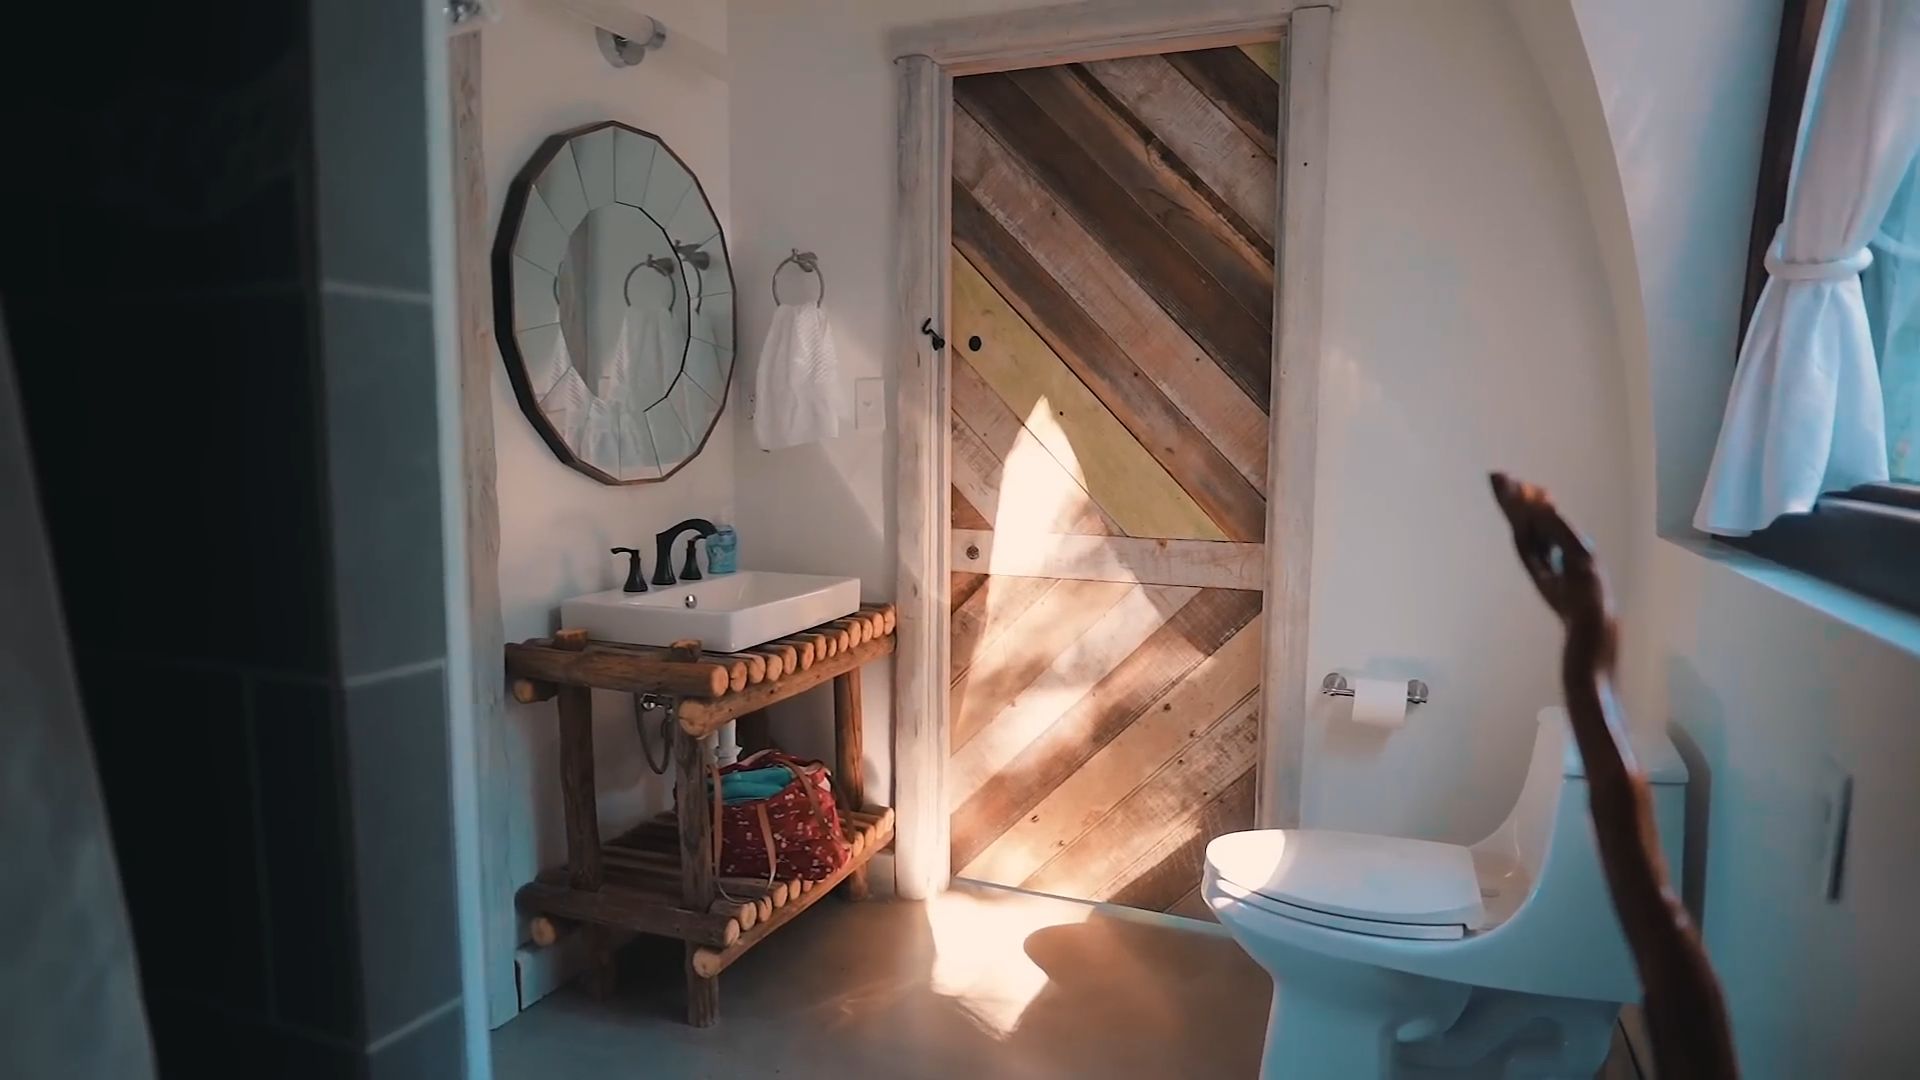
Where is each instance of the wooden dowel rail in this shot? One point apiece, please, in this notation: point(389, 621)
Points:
point(630, 909)
point(612, 669)
point(710, 962)
point(703, 717)
point(529, 691)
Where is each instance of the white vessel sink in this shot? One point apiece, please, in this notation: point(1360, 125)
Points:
point(726, 613)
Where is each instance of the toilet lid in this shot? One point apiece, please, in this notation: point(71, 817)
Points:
point(1380, 879)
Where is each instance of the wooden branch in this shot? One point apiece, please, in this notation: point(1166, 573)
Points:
point(1685, 1011)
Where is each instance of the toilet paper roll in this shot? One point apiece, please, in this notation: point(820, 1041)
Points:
point(1380, 703)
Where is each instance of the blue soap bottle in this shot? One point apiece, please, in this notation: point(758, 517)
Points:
point(722, 551)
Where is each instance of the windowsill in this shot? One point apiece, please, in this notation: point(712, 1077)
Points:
point(1882, 622)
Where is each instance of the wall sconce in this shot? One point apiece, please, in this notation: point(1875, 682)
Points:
point(625, 35)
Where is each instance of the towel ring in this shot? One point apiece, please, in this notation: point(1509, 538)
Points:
point(665, 267)
point(654, 262)
point(808, 262)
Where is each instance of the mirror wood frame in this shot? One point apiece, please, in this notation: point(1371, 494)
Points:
point(512, 214)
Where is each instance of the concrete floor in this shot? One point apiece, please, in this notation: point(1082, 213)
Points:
point(979, 982)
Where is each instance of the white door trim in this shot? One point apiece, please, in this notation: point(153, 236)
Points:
point(929, 56)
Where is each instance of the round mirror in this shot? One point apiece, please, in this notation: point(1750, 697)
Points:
point(613, 303)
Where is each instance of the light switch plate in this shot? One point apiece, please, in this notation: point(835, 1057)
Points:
point(869, 404)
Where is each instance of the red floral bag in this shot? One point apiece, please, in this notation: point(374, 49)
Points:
point(799, 826)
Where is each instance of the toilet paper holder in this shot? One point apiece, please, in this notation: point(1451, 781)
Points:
point(1335, 685)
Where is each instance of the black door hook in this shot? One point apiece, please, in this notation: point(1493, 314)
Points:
point(926, 327)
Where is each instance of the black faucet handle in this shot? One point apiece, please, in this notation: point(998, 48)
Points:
point(636, 573)
point(691, 571)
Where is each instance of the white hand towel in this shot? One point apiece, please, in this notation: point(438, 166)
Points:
point(797, 388)
point(644, 359)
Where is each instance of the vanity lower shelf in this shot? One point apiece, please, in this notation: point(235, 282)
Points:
point(658, 878)
point(641, 891)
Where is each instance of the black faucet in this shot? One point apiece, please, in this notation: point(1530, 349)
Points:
point(663, 551)
point(636, 574)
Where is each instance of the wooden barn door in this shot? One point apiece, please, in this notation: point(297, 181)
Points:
point(1113, 232)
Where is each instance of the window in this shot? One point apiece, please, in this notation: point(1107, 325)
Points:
point(1867, 538)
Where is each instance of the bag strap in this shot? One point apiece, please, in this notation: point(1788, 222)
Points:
point(719, 834)
point(806, 774)
point(766, 837)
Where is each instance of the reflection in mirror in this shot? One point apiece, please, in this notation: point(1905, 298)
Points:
point(614, 303)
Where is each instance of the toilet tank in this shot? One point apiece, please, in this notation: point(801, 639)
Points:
point(1565, 939)
point(1666, 773)
point(1529, 827)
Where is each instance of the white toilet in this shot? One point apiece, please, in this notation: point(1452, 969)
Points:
point(1409, 958)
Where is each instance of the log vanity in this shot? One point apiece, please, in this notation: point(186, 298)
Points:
point(658, 878)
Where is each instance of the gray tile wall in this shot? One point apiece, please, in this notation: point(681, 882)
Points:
point(220, 309)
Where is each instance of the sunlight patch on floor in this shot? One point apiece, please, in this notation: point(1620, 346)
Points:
point(980, 958)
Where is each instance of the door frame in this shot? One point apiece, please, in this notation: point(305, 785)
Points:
point(927, 58)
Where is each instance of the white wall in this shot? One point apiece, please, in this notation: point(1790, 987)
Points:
point(542, 73)
point(1466, 329)
point(813, 133)
point(1774, 684)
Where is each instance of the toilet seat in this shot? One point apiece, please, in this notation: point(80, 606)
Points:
point(1383, 886)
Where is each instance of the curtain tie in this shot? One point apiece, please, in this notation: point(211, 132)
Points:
point(1838, 269)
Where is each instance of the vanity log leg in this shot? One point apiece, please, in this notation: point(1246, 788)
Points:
point(849, 785)
point(584, 869)
point(694, 811)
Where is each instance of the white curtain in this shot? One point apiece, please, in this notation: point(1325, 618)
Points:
point(1805, 414)
point(1892, 287)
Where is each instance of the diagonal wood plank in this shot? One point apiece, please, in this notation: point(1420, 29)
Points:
point(961, 586)
point(1152, 811)
point(1012, 660)
point(1178, 717)
point(1244, 91)
point(986, 613)
point(1105, 370)
point(1196, 631)
point(1228, 249)
point(1198, 387)
point(1064, 415)
point(1071, 673)
point(1233, 336)
point(1171, 869)
point(1024, 488)
point(964, 511)
point(1195, 129)
point(1270, 56)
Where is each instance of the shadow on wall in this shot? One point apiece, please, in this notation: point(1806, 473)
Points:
point(804, 725)
point(1691, 697)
